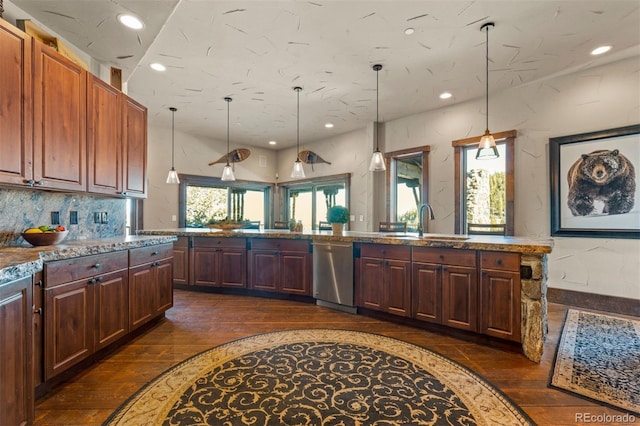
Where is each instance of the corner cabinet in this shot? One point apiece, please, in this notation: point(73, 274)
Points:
point(181, 261)
point(16, 106)
point(150, 283)
point(384, 282)
point(134, 142)
point(281, 265)
point(16, 382)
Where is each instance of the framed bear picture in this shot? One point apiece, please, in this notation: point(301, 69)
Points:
point(595, 184)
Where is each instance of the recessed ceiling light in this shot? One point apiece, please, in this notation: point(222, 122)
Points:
point(409, 31)
point(158, 67)
point(272, 142)
point(328, 125)
point(445, 95)
point(130, 21)
point(600, 50)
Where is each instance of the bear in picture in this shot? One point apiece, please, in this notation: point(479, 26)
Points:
point(602, 175)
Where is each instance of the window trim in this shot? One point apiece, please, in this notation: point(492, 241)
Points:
point(284, 189)
point(508, 138)
point(211, 181)
point(392, 156)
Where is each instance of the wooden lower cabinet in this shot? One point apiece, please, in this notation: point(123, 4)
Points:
point(500, 311)
point(150, 283)
point(16, 381)
point(445, 287)
point(84, 315)
point(181, 261)
point(384, 282)
point(281, 265)
point(220, 262)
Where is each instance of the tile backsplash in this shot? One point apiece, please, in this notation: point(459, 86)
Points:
point(21, 209)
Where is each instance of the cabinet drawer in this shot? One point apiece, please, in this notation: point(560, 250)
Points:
point(64, 271)
point(142, 255)
point(445, 256)
point(385, 251)
point(280, 244)
point(240, 243)
point(500, 260)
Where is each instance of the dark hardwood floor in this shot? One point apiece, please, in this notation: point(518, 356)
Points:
point(199, 321)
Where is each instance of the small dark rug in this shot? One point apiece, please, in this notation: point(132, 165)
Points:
point(598, 357)
point(318, 377)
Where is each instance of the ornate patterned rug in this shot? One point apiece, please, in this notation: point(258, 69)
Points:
point(598, 357)
point(318, 377)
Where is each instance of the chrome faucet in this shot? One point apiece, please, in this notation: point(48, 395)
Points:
point(420, 215)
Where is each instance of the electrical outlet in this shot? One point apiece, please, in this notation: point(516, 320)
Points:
point(55, 218)
point(361, 217)
point(173, 218)
point(104, 218)
point(73, 217)
point(96, 217)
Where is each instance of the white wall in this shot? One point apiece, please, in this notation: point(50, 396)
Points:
point(596, 99)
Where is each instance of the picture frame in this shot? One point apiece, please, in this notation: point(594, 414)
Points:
point(595, 184)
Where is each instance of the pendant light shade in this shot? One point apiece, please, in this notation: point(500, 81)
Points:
point(172, 177)
point(297, 172)
point(227, 172)
point(377, 160)
point(487, 149)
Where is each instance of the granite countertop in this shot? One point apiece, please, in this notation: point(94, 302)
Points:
point(469, 242)
point(20, 261)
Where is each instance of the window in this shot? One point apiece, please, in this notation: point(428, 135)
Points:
point(484, 189)
point(202, 199)
point(309, 200)
point(407, 183)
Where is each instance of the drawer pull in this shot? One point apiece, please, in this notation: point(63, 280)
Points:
point(100, 278)
point(92, 281)
point(96, 266)
point(155, 253)
point(498, 261)
point(39, 283)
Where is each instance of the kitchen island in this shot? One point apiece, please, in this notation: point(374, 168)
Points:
point(492, 286)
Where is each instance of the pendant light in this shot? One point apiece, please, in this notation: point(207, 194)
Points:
point(227, 172)
point(377, 160)
point(172, 178)
point(487, 149)
point(297, 172)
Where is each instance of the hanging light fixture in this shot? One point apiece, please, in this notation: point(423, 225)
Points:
point(487, 149)
point(172, 177)
point(377, 160)
point(297, 171)
point(227, 172)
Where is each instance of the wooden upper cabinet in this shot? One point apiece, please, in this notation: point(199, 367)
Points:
point(104, 137)
point(60, 128)
point(134, 138)
point(16, 105)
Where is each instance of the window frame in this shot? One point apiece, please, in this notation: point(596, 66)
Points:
point(210, 181)
point(508, 138)
point(285, 188)
point(390, 158)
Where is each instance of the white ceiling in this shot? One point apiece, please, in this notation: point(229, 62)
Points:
point(257, 51)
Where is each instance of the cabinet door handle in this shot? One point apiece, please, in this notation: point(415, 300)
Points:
point(100, 278)
point(499, 261)
point(444, 268)
point(92, 281)
point(38, 311)
point(30, 182)
point(96, 266)
point(39, 183)
point(39, 283)
point(155, 253)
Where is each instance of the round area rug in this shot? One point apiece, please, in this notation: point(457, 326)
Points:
point(318, 377)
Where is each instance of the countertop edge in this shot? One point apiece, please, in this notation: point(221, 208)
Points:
point(20, 261)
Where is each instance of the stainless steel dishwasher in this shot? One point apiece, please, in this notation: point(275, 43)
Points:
point(333, 275)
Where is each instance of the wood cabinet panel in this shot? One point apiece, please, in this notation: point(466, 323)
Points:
point(398, 288)
point(265, 270)
point(460, 297)
point(141, 295)
point(164, 286)
point(111, 307)
point(280, 265)
point(371, 290)
point(427, 292)
point(206, 266)
point(233, 263)
point(139, 256)
point(69, 326)
point(59, 119)
point(500, 311)
point(296, 268)
point(16, 381)
point(16, 106)
point(500, 261)
point(67, 270)
point(181, 261)
point(104, 139)
point(134, 137)
point(150, 284)
point(38, 328)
